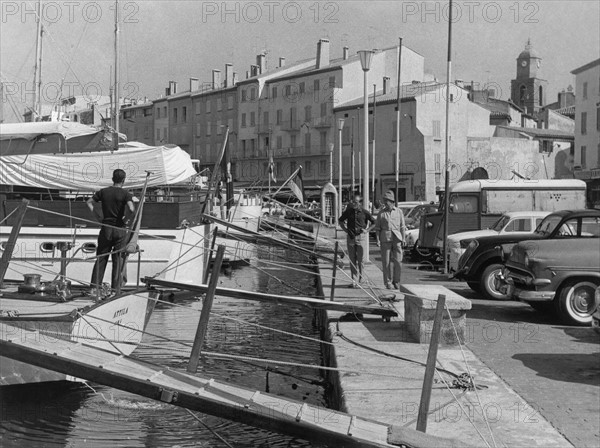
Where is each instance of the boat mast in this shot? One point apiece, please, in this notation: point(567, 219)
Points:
point(116, 88)
point(38, 60)
point(39, 85)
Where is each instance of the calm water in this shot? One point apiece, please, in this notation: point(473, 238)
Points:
point(73, 415)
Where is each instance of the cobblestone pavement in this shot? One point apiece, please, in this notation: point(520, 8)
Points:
point(556, 368)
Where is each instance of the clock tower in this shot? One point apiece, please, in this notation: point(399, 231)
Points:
point(527, 90)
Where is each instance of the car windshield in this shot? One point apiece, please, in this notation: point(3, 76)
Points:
point(548, 225)
point(499, 225)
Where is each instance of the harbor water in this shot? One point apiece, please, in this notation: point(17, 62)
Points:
point(75, 415)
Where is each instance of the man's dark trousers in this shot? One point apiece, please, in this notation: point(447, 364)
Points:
point(113, 240)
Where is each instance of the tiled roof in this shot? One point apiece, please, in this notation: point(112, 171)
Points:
point(568, 111)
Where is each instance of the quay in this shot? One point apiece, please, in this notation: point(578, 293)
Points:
point(393, 363)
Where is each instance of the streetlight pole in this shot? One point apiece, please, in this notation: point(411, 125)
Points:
point(365, 62)
point(331, 146)
point(340, 128)
point(374, 129)
point(352, 159)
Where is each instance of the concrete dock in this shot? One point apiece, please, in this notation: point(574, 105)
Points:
point(372, 380)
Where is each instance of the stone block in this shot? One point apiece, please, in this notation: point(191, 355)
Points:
point(420, 302)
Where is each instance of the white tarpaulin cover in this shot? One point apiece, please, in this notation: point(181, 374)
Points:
point(29, 131)
point(91, 171)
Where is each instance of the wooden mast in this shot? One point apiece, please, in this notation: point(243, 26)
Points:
point(116, 88)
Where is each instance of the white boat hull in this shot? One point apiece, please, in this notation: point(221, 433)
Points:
point(116, 325)
point(176, 254)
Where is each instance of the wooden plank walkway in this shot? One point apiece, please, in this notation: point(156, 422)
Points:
point(275, 413)
point(354, 308)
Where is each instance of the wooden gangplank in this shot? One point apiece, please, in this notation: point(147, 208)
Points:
point(258, 238)
point(297, 301)
point(207, 395)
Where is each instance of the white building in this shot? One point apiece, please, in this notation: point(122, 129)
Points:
point(587, 128)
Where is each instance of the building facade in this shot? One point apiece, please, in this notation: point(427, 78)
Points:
point(587, 128)
point(137, 122)
point(288, 115)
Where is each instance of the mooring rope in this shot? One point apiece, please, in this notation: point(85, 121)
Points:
point(9, 215)
point(209, 428)
point(472, 378)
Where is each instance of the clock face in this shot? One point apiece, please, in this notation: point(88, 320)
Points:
point(524, 63)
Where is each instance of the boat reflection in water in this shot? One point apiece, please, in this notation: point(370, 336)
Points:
point(73, 415)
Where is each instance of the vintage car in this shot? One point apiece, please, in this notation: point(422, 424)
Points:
point(483, 259)
point(564, 271)
point(511, 222)
point(596, 315)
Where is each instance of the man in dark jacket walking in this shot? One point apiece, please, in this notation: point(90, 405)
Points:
point(356, 221)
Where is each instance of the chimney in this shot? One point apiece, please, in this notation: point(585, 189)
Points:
point(228, 75)
point(216, 79)
point(234, 79)
point(346, 49)
point(281, 62)
point(386, 85)
point(261, 62)
point(172, 87)
point(194, 84)
point(322, 53)
point(247, 74)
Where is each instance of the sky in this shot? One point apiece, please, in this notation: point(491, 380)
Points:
point(175, 40)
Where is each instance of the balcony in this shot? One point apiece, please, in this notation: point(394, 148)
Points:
point(291, 125)
point(323, 122)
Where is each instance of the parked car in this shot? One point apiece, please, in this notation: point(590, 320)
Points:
point(596, 315)
point(563, 271)
point(291, 211)
point(413, 223)
point(512, 222)
point(483, 259)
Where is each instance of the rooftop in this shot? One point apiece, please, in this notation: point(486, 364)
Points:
point(407, 92)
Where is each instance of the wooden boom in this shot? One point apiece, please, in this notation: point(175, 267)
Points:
point(274, 298)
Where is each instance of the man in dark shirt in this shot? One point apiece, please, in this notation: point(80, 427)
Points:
point(113, 233)
point(356, 222)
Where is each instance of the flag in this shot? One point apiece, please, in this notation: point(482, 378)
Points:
point(272, 169)
point(297, 186)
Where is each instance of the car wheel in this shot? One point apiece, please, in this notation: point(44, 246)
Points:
point(488, 280)
point(575, 302)
point(474, 286)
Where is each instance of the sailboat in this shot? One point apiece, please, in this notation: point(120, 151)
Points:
point(54, 167)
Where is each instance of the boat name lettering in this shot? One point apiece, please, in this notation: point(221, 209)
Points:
point(120, 312)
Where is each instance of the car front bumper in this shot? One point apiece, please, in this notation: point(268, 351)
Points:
point(523, 288)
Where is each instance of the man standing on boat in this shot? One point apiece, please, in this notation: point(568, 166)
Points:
point(357, 230)
point(113, 233)
point(391, 228)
